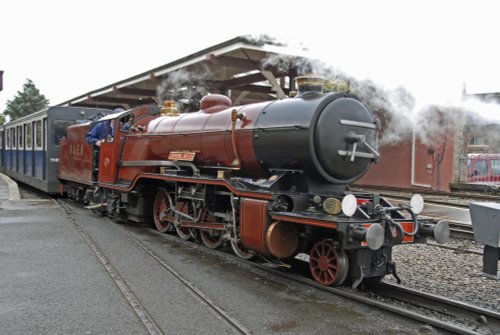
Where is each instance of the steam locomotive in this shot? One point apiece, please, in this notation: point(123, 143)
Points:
point(269, 178)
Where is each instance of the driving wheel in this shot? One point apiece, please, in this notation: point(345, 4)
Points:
point(186, 208)
point(162, 211)
point(211, 238)
point(240, 250)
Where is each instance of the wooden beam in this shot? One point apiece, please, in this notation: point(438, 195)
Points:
point(259, 89)
point(245, 80)
point(132, 102)
point(280, 94)
point(135, 91)
point(235, 62)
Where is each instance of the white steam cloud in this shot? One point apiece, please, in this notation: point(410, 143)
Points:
point(398, 109)
point(186, 88)
point(400, 112)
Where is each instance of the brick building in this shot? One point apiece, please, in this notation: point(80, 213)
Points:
point(440, 162)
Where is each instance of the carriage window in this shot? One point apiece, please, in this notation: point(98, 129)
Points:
point(28, 136)
point(44, 134)
point(13, 137)
point(7, 139)
point(59, 130)
point(20, 137)
point(38, 134)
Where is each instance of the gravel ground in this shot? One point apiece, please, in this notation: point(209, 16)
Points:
point(454, 273)
point(28, 192)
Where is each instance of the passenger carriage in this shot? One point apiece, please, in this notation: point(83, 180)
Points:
point(30, 145)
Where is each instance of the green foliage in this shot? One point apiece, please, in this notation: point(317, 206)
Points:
point(28, 101)
point(2, 119)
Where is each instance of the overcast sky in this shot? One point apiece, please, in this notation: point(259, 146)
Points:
point(68, 48)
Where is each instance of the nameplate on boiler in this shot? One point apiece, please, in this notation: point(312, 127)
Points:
point(181, 156)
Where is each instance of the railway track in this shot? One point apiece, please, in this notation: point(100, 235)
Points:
point(480, 320)
point(461, 230)
point(140, 310)
point(431, 310)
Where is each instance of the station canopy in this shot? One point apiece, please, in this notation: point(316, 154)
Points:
point(247, 69)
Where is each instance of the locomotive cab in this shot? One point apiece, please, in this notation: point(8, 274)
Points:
point(117, 127)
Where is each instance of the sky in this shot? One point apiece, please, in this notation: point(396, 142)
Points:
point(432, 48)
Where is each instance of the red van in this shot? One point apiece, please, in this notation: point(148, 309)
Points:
point(483, 168)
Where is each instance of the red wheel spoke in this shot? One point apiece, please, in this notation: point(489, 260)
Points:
point(211, 238)
point(325, 265)
point(162, 204)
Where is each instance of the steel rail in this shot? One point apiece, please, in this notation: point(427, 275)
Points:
point(459, 311)
point(233, 323)
point(284, 272)
point(145, 318)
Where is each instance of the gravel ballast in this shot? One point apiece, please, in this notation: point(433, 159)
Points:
point(454, 272)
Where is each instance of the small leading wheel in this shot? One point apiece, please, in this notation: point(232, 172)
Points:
point(211, 238)
point(240, 250)
point(162, 211)
point(328, 264)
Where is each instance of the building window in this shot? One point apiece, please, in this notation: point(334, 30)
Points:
point(478, 141)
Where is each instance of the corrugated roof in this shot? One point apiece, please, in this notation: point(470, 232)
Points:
point(245, 68)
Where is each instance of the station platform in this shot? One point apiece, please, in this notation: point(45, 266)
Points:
point(8, 189)
point(48, 284)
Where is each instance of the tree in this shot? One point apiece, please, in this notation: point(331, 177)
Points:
point(28, 101)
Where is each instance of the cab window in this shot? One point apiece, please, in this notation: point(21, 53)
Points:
point(59, 130)
point(126, 122)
